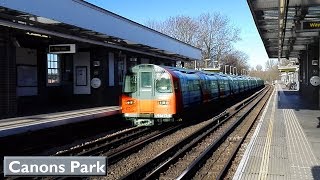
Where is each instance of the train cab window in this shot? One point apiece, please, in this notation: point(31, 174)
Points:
point(163, 85)
point(146, 80)
point(163, 82)
point(130, 84)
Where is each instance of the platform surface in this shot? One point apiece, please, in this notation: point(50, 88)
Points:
point(286, 143)
point(18, 125)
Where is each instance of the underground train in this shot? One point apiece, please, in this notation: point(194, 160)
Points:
point(153, 93)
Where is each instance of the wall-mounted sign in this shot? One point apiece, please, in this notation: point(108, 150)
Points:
point(81, 75)
point(27, 76)
point(314, 62)
point(95, 83)
point(96, 63)
point(309, 25)
point(62, 48)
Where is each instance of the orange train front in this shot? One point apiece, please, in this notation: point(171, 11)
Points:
point(148, 95)
point(153, 94)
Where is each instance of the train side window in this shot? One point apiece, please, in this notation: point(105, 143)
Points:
point(190, 85)
point(196, 85)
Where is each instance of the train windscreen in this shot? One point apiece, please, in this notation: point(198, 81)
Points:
point(163, 83)
point(130, 84)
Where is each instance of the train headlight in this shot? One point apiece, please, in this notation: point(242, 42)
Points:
point(163, 102)
point(130, 102)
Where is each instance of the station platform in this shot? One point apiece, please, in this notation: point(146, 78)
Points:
point(286, 142)
point(20, 125)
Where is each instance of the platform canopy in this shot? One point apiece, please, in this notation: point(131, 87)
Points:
point(85, 22)
point(286, 26)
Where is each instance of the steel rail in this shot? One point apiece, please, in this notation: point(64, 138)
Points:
point(107, 143)
point(226, 167)
point(175, 151)
point(196, 164)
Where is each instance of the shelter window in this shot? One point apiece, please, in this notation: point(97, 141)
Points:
point(53, 70)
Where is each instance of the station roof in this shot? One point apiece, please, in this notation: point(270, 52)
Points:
point(85, 22)
point(286, 27)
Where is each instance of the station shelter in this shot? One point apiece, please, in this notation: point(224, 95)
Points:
point(70, 54)
point(290, 30)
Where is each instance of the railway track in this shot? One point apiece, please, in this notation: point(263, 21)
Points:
point(182, 159)
point(117, 146)
point(112, 141)
point(124, 144)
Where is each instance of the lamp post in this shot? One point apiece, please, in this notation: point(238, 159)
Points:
point(230, 72)
point(216, 64)
point(206, 61)
point(244, 72)
point(225, 69)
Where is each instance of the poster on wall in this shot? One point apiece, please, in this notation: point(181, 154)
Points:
point(81, 75)
point(27, 76)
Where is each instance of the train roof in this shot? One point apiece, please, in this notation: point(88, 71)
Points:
point(192, 71)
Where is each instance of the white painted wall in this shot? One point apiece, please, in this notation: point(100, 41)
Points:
point(27, 73)
point(111, 69)
point(81, 59)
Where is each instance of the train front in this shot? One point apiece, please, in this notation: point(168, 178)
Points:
point(148, 95)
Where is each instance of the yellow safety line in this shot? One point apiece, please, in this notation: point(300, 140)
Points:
point(266, 151)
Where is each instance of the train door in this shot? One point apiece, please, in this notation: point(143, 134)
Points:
point(146, 91)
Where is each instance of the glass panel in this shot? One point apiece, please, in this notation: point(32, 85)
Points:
point(146, 80)
point(163, 84)
point(130, 84)
point(53, 69)
point(55, 65)
point(55, 57)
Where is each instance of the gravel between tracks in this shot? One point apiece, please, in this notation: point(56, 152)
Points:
point(94, 139)
point(135, 160)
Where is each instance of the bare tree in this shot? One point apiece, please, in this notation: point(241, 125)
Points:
point(183, 28)
point(259, 67)
point(212, 33)
point(216, 36)
point(236, 59)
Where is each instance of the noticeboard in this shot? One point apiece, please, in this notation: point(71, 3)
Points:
point(27, 76)
point(81, 75)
